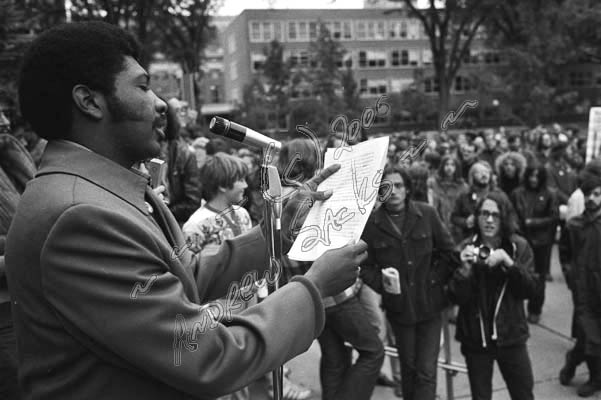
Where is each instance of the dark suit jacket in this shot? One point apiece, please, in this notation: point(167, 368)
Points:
point(423, 255)
point(81, 241)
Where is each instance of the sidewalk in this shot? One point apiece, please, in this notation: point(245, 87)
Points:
point(548, 344)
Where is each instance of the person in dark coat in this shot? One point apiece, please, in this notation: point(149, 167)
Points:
point(16, 169)
point(107, 300)
point(585, 275)
point(447, 185)
point(510, 168)
point(496, 276)
point(183, 186)
point(538, 214)
point(410, 258)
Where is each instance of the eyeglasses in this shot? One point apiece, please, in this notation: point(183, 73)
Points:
point(486, 214)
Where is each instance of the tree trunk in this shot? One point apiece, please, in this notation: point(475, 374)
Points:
point(443, 99)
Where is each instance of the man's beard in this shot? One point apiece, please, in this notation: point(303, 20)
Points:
point(591, 206)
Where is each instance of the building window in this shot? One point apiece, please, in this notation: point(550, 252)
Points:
point(346, 61)
point(257, 60)
point(404, 58)
point(427, 56)
point(339, 30)
point(398, 29)
point(302, 30)
point(372, 59)
point(255, 32)
point(373, 86)
point(361, 30)
point(291, 31)
point(431, 85)
point(414, 29)
point(298, 58)
point(265, 31)
point(462, 84)
point(371, 30)
point(399, 57)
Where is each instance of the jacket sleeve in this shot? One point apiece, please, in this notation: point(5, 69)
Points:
point(462, 286)
point(521, 277)
point(113, 290)
point(371, 273)
point(192, 190)
point(552, 213)
point(457, 217)
point(444, 246)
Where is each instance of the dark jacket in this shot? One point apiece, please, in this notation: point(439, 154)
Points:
point(542, 208)
point(16, 169)
point(491, 300)
point(585, 275)
point(423, 255)
point(185, 188)
point(505, 183)
point(107, 300)
point(561, 178)
point(444, 195)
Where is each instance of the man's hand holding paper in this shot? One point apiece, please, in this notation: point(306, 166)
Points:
point(340, 219)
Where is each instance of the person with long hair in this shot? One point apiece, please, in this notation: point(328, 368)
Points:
point(447, 184)
point(496, 276)
point(510, 168)
point(538, 214)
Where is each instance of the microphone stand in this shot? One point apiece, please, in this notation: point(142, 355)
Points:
point(272, 212)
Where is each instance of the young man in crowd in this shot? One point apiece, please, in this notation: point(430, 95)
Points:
point(410, 260)
point(480, 184)
point(222, 216)
point(103, 304)
point(538, 214)
point(585, 278)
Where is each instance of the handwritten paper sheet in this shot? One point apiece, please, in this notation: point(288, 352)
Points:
point(333, 223)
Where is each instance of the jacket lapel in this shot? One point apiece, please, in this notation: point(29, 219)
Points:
point(384, 223)
point(413, 215)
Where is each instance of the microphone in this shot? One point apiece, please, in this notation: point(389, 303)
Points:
point(242, 134)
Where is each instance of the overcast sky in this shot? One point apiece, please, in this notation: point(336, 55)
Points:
point(235, 7)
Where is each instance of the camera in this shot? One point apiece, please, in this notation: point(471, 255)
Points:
point(481, 253)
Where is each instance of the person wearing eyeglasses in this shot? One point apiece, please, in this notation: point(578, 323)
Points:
point(410, 259)
point(495, 277)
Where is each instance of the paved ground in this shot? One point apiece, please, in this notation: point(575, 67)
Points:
point(548, 343)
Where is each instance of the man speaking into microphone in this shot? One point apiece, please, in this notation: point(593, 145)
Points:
point(97, 287)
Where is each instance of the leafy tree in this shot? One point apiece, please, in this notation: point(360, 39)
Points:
point(539, 39)
point(350, 91)
point(451, 26)
point(20, 20)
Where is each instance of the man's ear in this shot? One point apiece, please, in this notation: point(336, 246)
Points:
point(88, 101)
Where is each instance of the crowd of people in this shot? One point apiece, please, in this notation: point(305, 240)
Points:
point(465, 232)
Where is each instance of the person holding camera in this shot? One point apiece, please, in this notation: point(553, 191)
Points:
point(496, 276)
